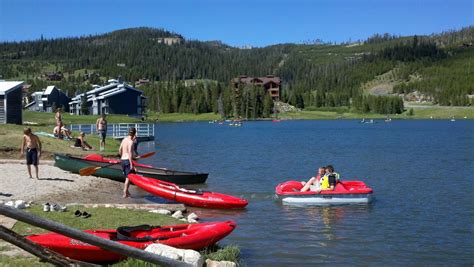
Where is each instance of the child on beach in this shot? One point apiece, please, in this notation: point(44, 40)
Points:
point(33, 150)
point(81, 142)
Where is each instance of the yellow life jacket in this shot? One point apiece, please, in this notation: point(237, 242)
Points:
point(325, 180)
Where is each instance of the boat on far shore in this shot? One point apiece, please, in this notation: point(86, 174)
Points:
point(111, 169)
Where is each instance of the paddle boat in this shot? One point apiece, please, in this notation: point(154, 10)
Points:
point(345, 192)
point(186, 236)
point(114, 171)
point(196, 198)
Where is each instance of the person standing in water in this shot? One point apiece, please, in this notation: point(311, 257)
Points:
point(101, 126)
point(126, 156)
point(32, 144)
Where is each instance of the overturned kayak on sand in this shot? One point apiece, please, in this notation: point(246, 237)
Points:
point(186, 236)
point(196, 198)
point(114, 172)
point(345, 192)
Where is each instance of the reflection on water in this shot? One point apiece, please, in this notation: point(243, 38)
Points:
point(413, 222)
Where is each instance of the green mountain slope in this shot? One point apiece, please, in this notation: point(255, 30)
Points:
point(320, 75)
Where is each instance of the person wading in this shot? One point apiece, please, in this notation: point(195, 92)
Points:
point(126, 156)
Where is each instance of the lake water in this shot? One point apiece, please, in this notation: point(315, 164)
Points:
point(421, 172)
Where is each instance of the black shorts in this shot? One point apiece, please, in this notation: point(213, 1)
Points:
point(126, 169)
point(32, 156)
point(102, 134)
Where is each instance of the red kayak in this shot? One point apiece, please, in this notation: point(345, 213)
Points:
point(100, 158)
point(194, 198)
point(186, 236)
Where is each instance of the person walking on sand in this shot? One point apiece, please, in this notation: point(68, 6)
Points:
point(126, 156)
point(101, 126)
point(33, 150)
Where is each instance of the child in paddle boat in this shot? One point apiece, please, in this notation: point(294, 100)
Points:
point(313, 183)
point(33, 150)
point(126, 152)
point(81, 142)
point(329, 180)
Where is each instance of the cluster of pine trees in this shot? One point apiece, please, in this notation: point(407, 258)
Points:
point(249, 102)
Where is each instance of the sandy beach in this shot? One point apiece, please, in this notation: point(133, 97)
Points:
point(56, 185)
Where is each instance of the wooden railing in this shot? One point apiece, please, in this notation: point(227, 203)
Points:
point(118, 130)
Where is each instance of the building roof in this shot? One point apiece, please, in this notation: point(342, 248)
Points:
point(5, 87)
point(49, 90)
point(104, 92)
point(264, 80)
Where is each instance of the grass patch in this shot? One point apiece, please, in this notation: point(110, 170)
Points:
point(47, 118)
point(328, 115)
point(21, 261)
point(178, 117)
point(441, 113)
point(4, 248)
point(11, 136)
point(229, 253)
point(102, 218)
point(106, 218)
point(339, 110)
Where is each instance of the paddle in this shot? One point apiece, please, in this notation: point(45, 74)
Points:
point(91, 170)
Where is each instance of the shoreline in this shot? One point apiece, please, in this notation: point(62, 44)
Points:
point(59, 186)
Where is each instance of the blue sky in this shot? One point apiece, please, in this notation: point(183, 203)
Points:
point(246, 22)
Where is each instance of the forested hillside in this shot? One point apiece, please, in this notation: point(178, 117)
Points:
point(319, 75)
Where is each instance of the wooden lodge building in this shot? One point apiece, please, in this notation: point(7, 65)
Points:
point(116, 97)
point(270, 83)
point(11, 102)
point(45, 101)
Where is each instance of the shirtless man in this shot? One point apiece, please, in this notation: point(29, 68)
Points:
point(101, 126)
point(59, 118)
point(126, 157)
point(33, 150)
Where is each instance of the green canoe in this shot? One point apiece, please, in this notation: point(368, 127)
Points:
point(114, 172)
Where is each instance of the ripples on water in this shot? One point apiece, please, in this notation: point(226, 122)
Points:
point(421, 173)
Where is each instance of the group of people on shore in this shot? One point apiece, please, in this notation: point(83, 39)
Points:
point(31, 147)
point(31, 144)
point(60, 131)
point(325, 179)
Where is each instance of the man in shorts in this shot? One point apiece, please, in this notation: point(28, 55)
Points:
point(33, 150)
point(101, 126)
point(126, 157)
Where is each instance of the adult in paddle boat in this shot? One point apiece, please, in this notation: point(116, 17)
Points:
point(329, 180)
point(101, 126)
point(81, 142)
point(126, 152)
point(313, 183)
point(33, 150)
